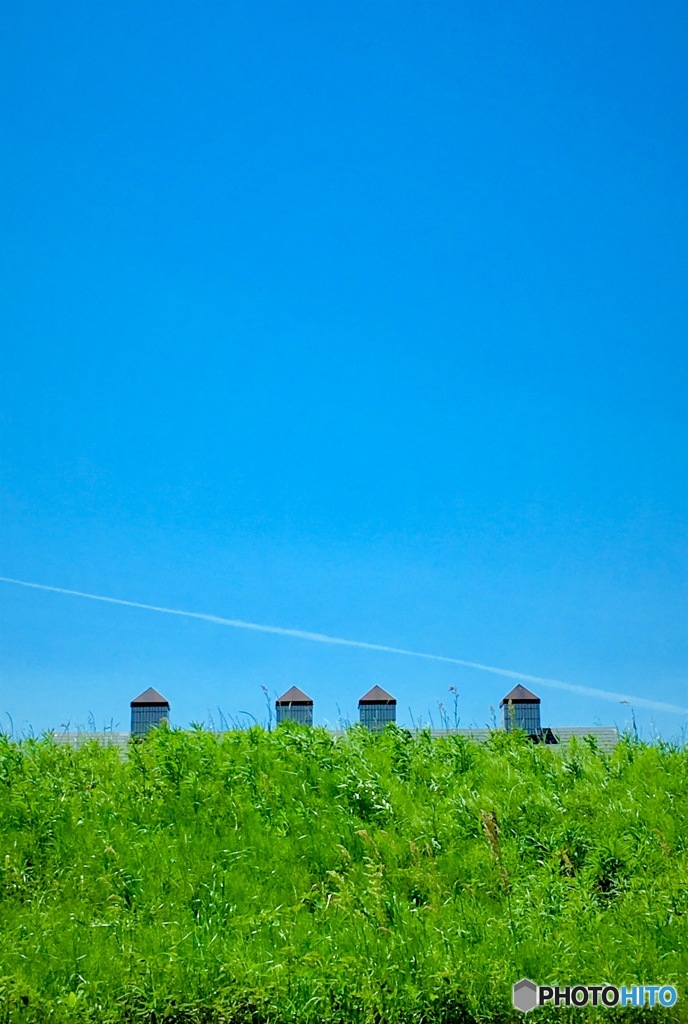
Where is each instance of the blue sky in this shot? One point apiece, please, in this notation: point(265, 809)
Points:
point(360, 319)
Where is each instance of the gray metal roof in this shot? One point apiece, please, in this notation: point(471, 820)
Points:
point(295, 696)
point(519, 695)
point(151, 698)
point(606, 737)
point(377, 695)
point(106, 739)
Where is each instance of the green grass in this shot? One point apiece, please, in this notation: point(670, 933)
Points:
point(294, 877)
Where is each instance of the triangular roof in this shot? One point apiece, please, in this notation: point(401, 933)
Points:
point(377, 695)
point(150, 696)
point(519, 695)
point(294, 696)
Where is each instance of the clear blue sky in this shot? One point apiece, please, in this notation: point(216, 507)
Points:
point(367, 319)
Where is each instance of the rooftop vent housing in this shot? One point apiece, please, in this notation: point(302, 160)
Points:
point(376, 708)
point(147, 711)
point(521, 710)
point(294, 706)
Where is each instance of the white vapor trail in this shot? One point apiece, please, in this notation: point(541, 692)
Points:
point(322, 638)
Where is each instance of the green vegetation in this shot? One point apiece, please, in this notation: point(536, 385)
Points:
point(296, 877)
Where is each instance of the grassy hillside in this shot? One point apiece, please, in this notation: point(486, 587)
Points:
point(294, 877)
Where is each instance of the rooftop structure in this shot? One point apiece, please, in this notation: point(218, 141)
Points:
point(149, 709)
point(376, 709)
point(521, 710)
point(294, 706)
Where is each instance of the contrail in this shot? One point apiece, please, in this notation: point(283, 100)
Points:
point(322, 638)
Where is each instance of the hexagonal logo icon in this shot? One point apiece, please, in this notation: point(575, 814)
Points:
point(525, 995)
